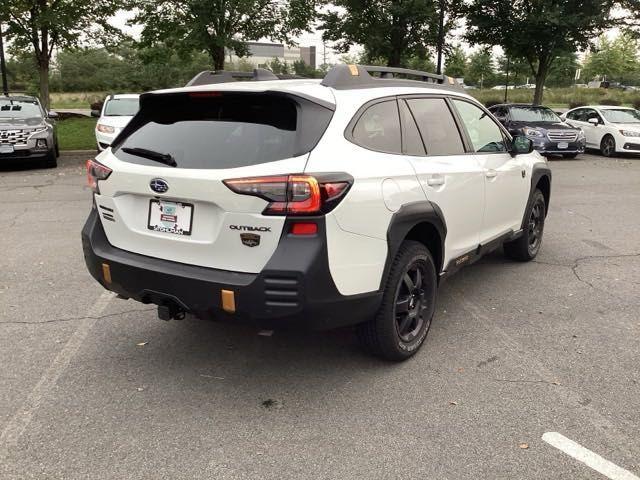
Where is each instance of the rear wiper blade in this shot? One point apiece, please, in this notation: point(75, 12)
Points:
point(165, 158)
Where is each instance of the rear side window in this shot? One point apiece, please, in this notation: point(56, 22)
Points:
point(437, 126)
point(378, 128)
point(211, 130)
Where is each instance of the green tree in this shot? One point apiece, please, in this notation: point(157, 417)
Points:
point(563, 70)
point(304, 70)
point(455, 64)
point(617, 59)
point(481, 70)
point(213, 27)
point(41, 26)
point(538, 30)
point(390, 30)
point(519, 70)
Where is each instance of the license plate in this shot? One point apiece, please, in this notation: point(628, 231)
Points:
point(6, 148)
point(170, 217)
point(563, 145)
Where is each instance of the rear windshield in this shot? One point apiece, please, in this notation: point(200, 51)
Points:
point(121, 107)
point(211, 130)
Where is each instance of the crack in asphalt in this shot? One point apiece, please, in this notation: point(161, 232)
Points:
point(74, 319)
point(577, 263)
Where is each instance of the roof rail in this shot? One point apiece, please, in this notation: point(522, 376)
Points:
point(360, 76)
point(209, 77)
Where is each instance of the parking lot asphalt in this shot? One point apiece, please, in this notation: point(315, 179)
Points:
point(96, 387)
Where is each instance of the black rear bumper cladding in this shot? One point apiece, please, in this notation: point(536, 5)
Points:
point(294, 290)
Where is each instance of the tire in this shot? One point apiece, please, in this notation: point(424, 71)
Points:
point(51, 160)
point(569, 155)
point(608, 146)
point(57, 149)
point(527, 246)
point(411, 284)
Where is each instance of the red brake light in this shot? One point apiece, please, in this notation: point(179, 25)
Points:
point(95, 172)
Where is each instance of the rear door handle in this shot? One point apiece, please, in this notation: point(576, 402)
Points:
point(491, 173)
point(435, 180)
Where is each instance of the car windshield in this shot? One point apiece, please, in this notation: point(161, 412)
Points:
point(533, 114)
point(621, 115)
point(122, 107)
point(19, 109)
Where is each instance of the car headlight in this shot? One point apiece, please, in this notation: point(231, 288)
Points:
point(532, 132)
point(629, 133)
point(105, 128)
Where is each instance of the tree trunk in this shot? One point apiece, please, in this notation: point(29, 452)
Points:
point(395, 57)
point(541, 77)
point(217, 56)
point(43, 70)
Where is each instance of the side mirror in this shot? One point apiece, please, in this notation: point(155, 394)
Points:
point(522, 144)
point(95, 113)
point(52, 114)
point(594, 121)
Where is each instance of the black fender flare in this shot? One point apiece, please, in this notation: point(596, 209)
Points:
point(404, 220)
point(538, 172)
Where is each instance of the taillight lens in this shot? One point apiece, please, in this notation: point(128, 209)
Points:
point(292, 194)
point(95, 172)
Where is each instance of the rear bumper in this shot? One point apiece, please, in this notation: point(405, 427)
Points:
point(294, 290)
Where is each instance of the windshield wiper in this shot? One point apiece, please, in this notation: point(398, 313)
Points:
point(165, 158)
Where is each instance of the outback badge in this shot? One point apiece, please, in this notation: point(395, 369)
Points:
point(250, 239)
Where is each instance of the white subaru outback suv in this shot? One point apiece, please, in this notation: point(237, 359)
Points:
point(311, 204)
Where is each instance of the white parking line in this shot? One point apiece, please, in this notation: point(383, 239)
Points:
point(20, 421)
point(586, 456)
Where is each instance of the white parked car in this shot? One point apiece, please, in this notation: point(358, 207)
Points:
point(609, 129)
point(116, 113)
point(311, 203)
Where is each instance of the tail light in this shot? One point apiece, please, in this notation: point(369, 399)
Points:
point(95, 172)
point(295, 194)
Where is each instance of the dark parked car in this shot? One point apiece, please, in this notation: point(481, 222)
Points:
point(27, 131)
point(550, 135)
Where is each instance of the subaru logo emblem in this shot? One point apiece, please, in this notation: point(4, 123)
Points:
point(158, 185)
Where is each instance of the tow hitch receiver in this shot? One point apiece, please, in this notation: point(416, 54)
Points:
point(170, 311)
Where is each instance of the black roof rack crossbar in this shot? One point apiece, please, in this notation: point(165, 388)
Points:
point(209, 77)
point(360, 76)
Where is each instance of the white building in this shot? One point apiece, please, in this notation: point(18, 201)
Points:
point(262, 53)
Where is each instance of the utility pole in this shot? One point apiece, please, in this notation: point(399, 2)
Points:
point(3, 66)
point(506, 83)
point(440, 37)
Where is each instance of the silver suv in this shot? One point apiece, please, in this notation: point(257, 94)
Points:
point(27, 130)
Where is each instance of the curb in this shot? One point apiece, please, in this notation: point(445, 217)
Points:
point(78, 152)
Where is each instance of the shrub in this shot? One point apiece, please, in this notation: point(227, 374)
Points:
point(636, 103)
point(610, 101)
point(492, 101)
point(576, 104)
